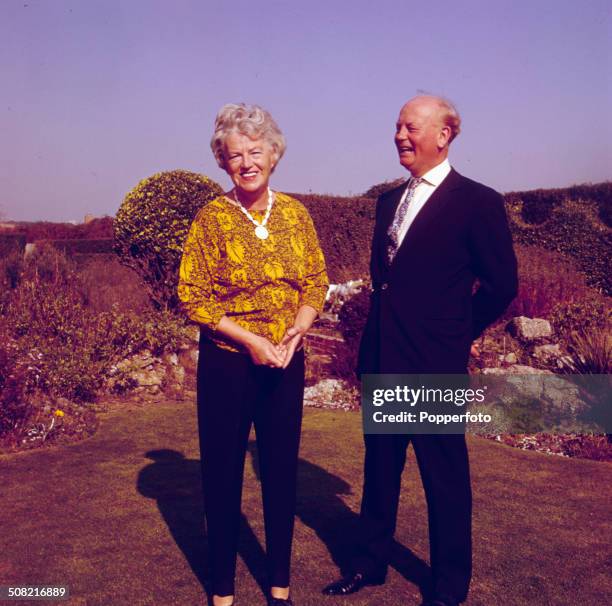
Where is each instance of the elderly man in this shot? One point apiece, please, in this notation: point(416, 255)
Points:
point(434, 237)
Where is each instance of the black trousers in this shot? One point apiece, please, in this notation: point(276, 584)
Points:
point(233, 393)
point(444, 468)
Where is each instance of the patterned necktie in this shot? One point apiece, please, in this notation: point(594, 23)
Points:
point(400, 214)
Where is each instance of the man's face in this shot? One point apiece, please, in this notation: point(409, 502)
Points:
point(420, 136)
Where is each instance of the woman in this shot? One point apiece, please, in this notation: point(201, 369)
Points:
point(253, 276)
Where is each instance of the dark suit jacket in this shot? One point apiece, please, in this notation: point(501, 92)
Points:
point(423, 316)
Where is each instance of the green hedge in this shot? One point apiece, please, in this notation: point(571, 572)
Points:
point(569, 221)
point(574, 221)
point(10, 243)
point(539, 204)
point(344, 227)
point(84, 247)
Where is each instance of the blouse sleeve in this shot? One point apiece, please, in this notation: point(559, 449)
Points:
point(316, 282)
point(196, 271)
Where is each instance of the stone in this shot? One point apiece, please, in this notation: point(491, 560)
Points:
point(551, 399)
point(178, 374)
point(547, 352)
point(171, 358)
point(510, 358)
point(529, 329)
point(516, 369)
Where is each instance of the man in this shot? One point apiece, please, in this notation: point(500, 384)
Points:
point(433, 238)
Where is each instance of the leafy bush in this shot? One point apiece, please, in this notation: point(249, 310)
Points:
point(66, 347)
point(352, 318)
point(14, 409)
point(152, 223)
point(48, 264)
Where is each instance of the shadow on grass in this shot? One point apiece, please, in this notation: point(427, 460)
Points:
point(175, 483)
point(321, 508)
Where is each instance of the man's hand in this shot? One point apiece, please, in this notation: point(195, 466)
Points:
point(290, 342)
point(265, 353)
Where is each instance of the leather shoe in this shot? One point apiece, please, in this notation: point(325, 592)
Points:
point(440, 602)
point(279, 601)
point(352, 583)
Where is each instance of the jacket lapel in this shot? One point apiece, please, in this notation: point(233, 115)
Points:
point(430, 212)
point(386, 214)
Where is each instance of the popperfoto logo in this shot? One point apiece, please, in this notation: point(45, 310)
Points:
point(430, 404)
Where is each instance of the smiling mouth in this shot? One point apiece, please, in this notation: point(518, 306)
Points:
point(403, 150)
point(248, 175)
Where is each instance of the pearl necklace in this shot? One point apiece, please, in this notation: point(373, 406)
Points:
point(260, 228)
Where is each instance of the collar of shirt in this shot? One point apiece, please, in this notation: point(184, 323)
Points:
point(431, 180)
point(438, 173)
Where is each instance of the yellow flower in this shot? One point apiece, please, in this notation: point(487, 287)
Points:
point(59, 413)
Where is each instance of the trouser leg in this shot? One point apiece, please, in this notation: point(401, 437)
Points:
point(278, 419)
point(444, 467)
point(385, 457)
point(225, 408)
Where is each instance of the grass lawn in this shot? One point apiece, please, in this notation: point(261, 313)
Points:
point(118, 518)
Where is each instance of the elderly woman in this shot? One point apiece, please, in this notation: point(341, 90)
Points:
point(253, 277)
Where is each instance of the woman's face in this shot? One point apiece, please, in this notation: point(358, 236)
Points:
point(248, 162)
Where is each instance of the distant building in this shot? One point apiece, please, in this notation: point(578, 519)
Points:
point(88, 218)
point(7, 225)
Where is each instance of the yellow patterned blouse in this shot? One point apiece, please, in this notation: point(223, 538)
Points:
point(259, 284)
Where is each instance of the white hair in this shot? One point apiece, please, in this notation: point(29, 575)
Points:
point(449, 115)
point(250, 120)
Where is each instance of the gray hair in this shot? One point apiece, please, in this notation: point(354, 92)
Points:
point(250, 120)
point(449, 115)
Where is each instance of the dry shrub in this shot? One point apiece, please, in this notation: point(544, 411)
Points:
point(15, 411)
point(546, 279)
point(591, 352)
point(107, 284)
point(64, 338)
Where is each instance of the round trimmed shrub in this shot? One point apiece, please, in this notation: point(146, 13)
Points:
point(151, 226)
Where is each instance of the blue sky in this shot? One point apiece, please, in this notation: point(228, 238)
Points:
point(100, 94)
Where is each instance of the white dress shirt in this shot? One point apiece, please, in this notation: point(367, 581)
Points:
point(431, 180)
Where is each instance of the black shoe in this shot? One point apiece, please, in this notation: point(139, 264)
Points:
point(279, 601)
point(440, 602)
point(352, 583)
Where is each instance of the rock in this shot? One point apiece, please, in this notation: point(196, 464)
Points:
point(178, 374)
point(142, 359)
point(171, 359)
point(542, 399)
point(547, 352)
point(529, 329)
point(510, 358)
point(332, 393)
point(516, 369)
point(150, 377)
point(338, 294)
